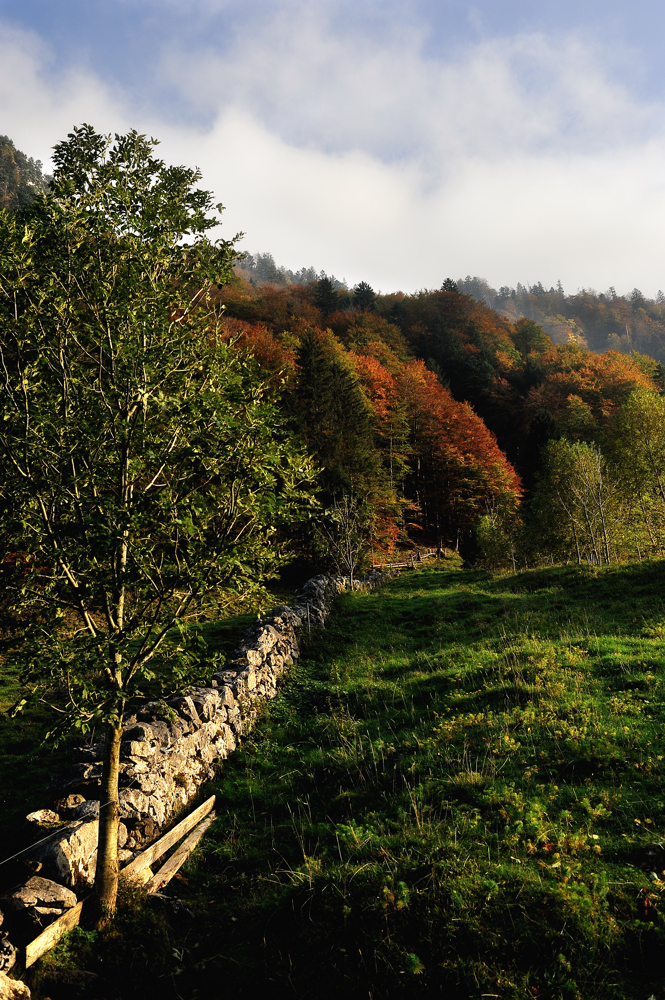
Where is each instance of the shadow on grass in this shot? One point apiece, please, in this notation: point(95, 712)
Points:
point(453, 795)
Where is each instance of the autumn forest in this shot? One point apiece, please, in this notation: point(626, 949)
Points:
point(452, 424)
point(459, 789)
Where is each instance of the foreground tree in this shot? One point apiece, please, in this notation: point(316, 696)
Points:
point(143, 461)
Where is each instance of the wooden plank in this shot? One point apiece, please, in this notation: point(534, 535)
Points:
point(168, 870)
point(161, 846)
point(52, 934)
point(142, 876)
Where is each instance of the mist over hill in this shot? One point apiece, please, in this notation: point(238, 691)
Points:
point(598, 321)
point(260, 268)
point(601, 321)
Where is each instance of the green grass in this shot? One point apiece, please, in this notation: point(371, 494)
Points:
point(459, 794)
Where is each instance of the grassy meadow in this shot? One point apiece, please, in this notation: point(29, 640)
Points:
point(458, 793)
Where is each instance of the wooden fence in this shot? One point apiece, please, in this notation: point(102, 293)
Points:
point(138, 870)
point(414, 559)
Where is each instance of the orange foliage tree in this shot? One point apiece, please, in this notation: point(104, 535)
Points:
point(583, 390)
point(458, 472)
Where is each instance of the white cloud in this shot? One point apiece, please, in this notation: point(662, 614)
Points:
point(38, 107)
point(317, 84)
point(590, 220)
point(519, 159)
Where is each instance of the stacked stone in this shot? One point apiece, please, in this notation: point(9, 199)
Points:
point(167, 756)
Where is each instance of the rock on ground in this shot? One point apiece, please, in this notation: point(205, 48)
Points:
point(41, 899)
point(70, 855)
point(43, 816)
point(11, 989)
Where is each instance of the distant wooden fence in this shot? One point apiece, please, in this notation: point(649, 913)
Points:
point(138, 870)
point(414, 559)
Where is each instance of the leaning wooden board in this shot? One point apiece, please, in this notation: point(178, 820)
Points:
point(52, 934)
point(161, 846)
point(177, 860)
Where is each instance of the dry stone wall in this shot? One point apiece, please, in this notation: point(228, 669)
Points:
point(167, 756)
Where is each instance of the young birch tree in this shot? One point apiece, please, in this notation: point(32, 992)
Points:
point(637, 453)
point(577, 504)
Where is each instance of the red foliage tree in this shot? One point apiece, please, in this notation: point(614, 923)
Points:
point(272, 353)
point(459, 470)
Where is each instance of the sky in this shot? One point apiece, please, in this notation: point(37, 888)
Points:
point(397, 142)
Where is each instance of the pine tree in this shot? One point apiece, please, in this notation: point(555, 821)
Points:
point(325, 296)
point(363, 296)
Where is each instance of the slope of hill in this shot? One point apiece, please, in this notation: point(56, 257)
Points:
point(459, 794)
point(381, 423)
point(525, 388)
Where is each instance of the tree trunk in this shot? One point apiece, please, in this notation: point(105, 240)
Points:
point(106, 876)
point(577, 544)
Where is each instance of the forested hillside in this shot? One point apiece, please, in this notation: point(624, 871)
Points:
point(440, 416)
point(602, 321)
point(381, 423)
point(521, 425)
point(20, 176)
